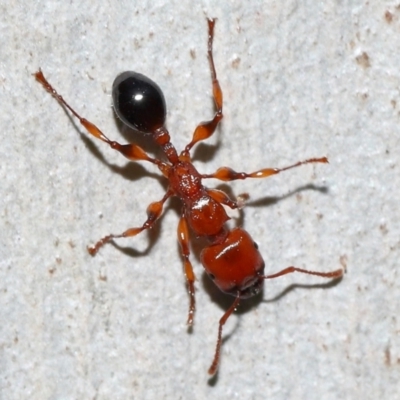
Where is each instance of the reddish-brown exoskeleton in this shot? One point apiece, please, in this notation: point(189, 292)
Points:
point(231, 258)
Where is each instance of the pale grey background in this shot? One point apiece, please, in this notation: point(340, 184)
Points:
point(300, 79)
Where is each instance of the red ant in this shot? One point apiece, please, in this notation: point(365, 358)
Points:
point(231, 259)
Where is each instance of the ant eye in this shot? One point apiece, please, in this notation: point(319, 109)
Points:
point(212, 276)
point(255, 245)
point(138, 102)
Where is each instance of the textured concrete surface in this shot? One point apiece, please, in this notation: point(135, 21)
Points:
point(299, 80)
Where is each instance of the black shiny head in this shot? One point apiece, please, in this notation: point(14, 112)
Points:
point(138, 102)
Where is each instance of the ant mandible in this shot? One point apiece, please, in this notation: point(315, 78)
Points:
point(231, 258)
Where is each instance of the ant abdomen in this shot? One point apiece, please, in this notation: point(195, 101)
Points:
point(138, 102)
point(235, 265)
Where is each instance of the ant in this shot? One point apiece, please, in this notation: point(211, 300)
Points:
point(231, 258)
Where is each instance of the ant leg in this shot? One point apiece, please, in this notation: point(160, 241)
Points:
point(131, 151)
point(154, 210)
point(205, 129)
point(227, 174)
point(220, 197)
point(183, 238)
point(333, 274)
point(214, 366)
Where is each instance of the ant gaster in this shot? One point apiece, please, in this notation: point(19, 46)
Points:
point(231, 258)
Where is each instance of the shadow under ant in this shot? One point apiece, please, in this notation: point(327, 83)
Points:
point(132, 171)
point(153, 234)
point(224, 301)
point(271, 200)
point(152, 238)
point(205, 152)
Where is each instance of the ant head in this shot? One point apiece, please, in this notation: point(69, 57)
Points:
point(138, 102)
point(235, 265)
